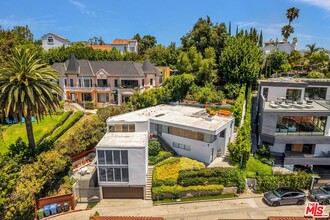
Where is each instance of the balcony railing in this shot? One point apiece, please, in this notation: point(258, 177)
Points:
point(84, 88)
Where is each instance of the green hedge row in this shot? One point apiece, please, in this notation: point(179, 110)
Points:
point(88, 104)
point(162, 155)
point(174, 192)
point(226, 176)
point(237, 113)
point(68, 124)
point(240, 150)
point(66, 115)
point(300, 180)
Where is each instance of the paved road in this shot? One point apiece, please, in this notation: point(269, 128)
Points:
point(247, 208)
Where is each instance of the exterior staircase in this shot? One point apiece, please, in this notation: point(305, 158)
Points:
point(149, 183)
point(279, 159)
point(165, 144)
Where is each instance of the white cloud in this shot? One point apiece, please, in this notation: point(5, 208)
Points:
point(82, 8)
point(325, 4)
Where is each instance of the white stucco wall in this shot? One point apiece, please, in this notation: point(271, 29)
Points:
point(58, 42)
point(321, 147)
point(142, 126)
point(199, 150)
point(276, 92)
point(137, 167)
point(133, 44)
point(120, 47)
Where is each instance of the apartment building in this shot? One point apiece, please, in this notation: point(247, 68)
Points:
point(105, 82)
point(294, 119)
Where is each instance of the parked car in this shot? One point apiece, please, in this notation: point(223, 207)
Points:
point(285, 196)
point(320, 194)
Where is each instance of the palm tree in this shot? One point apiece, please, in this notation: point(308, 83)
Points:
point(28, 88)
point(287, 30)
point(312, 49)
point(292, 13)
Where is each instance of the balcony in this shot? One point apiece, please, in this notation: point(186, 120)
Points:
point(299, 158)
point(87, 89)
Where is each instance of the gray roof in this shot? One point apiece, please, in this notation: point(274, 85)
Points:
point(147, 67)
point(113, 68)
point(73, 66)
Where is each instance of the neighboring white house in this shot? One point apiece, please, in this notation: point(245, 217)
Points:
point(50, 41)
point(283, 46)
point(122, 160)
point(125, 45)
point(189, 131)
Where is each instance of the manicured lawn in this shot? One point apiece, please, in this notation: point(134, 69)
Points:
point(10, 133)
point(197, 198)
point(255, 166)
point(72, 130)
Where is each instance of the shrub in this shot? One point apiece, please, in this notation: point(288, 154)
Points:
point(154, 148)
point(175, 192)
point(88, 104)
point(167, 171)
point(300, 180)
point(239, 106)
point(230, 102)
point(162, 155)
point(68, 124)
point(315, 75)
point(189, 164)
point(232, 91)
point(226, 176)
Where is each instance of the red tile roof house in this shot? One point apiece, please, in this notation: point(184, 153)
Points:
point(125, 45)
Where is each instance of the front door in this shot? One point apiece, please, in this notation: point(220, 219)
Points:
point(73, 96)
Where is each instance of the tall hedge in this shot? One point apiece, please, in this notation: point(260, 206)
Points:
point(241, 148)
point(239, 106)
point(300, 180)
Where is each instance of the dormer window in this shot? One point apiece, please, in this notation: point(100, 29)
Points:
point(50, 40)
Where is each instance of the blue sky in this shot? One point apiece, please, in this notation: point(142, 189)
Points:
point(168, 20)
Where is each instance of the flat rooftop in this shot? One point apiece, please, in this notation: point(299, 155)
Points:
point(316, 106)
point(294, 80)
point(123, 140)
point(174, 114)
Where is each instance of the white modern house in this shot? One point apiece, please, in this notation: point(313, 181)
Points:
point(282, 46)
point(122, 161)
point(122, 154)
point(294, 120)
point(50, 41)
point(188, 131)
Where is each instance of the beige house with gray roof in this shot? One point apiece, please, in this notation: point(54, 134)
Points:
point(105, 82)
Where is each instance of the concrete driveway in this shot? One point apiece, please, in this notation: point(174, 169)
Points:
point(241, 208)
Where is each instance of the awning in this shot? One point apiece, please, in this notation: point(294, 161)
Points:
point(114, 92)
point(127, 93)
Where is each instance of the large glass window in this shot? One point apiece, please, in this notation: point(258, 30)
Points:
point(129, 83)
point(293, 94)
point(102, 83)
point(300, 125)
point(315, 93)
point(122, 128)
point(113, 165)
point(103, 97)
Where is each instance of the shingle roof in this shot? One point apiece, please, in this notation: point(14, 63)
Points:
point(113, 68)
point(125, 218)
point(73, 65)
point(56, 35)
point(147, 67)
point(122, 41)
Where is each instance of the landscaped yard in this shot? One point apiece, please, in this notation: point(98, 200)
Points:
point(256, 166)
point(72, 130)
point(11, 133)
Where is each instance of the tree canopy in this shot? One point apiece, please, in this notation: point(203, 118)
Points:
point(240, 61)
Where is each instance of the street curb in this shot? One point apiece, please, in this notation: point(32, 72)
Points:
point(207, 200)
